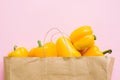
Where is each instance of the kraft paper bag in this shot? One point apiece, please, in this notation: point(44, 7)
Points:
point(83, 68)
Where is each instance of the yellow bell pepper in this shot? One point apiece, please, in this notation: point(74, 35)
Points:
point(36, 52)
point(18, 52)
point(47, 50)
point(94, 51)
point(50, 50)
point(82, 37)
point(65, 48)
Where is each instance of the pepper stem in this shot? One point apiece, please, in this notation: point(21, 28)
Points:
point(94, 37)
point(15, 47)
point(39, 43)
point(107, 51)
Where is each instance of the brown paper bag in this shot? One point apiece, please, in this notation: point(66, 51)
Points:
point(83, 68)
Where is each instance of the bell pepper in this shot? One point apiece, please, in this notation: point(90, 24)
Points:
point(47, 50)
point(82, 37)
point(18, 52)
point(65, 48)
point(37, 51)
point(94, 51)
point(50, 50)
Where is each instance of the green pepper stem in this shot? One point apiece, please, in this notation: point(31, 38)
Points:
point(15, 47)
point(94, 37)
point(107, 51)
point(39, 43)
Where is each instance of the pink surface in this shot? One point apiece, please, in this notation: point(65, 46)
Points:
point(23, 22)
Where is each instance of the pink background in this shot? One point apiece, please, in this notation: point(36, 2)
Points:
point(23, 22)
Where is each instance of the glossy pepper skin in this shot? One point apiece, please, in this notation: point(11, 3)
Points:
point(47, 50)
point(18, 52)
point(94, 51)
point(82, 37)
point(65, 48)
